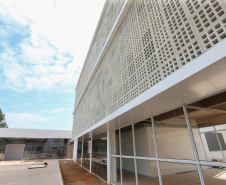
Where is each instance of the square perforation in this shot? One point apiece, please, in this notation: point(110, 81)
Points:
point(183, 37)
point(152, 64)
point(149, 50)
point(165, 52)
point(214, 35)
point(146, 37)
point(190, 53)
point(155, 78)
point(170, 67)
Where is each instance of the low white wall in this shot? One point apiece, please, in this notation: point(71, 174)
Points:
point(14, 152)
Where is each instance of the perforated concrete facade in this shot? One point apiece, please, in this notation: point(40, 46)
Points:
point(156, 38)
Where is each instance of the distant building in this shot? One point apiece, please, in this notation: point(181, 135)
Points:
point(150, 104)
point(25, 144)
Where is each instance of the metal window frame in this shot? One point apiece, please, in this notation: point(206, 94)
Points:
point(82, 152)
point(196, 161)
point(91, 152)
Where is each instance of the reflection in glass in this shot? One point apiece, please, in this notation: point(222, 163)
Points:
point(144, 139)
point(176, 173)
point(208, 120)
point(172, 135)
point(99, 155)
point(61, 152)
point(79, 151)
point(2, 151)
point(86, 154)
point(128, 170)
point(41, 148)
point(127, 141)
point(147, 172)
point(214, 175)
point(115, 170)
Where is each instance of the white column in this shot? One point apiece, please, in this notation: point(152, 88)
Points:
point(75, 150)
point(91, 151)
point(108, 156)
point(113, 159)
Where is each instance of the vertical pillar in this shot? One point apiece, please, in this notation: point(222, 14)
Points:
point(108, 155)
point(134, 151)
point(156, 151)
point(75, 151)
point(113, 159)
point(120, 151)
point(82, 152)
point(91, 151)
point(195, 152)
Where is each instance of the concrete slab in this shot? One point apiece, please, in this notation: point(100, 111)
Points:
point(17, 173)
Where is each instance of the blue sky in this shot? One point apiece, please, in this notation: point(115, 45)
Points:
point(43, 45)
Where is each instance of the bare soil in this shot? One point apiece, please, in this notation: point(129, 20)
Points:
point(73, 174)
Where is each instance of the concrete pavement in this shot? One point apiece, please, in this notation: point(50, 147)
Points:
point(17, 173)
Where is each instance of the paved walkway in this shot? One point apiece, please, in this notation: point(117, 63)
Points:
point(17, 173)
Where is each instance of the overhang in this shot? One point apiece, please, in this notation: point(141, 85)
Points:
point(33, 133)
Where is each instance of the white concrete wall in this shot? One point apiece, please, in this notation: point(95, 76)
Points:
point(14, 151)
point(34, 133)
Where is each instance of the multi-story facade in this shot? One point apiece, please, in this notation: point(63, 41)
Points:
point(150, 104)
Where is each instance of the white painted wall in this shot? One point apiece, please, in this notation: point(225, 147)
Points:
point(14, 151)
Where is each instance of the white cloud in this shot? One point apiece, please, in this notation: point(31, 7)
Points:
point(23, 118)
point(54, 110)
point(54, 37)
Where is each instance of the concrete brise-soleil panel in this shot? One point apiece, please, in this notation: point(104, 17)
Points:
point(155, 40)
point(33, 133)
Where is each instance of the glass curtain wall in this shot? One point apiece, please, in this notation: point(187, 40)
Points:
point(51, 148)
point(182, 146)
point(79, 151)
point(99, 155)
point(190, 142)
point(86, 152)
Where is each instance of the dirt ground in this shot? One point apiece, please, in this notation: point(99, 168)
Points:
point(73, 174)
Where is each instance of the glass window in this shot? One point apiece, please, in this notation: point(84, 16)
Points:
point(127, 141)
point(128, 171)
point(61, 152)
point(2, 150)
point(27, 152)
point(212, 141)
point(86, 153)
point(99, 155)
point(147, 172)
point(79, 150)
point(144, 139)
point(208, 121)
point(172, 135)
point(177, 173)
